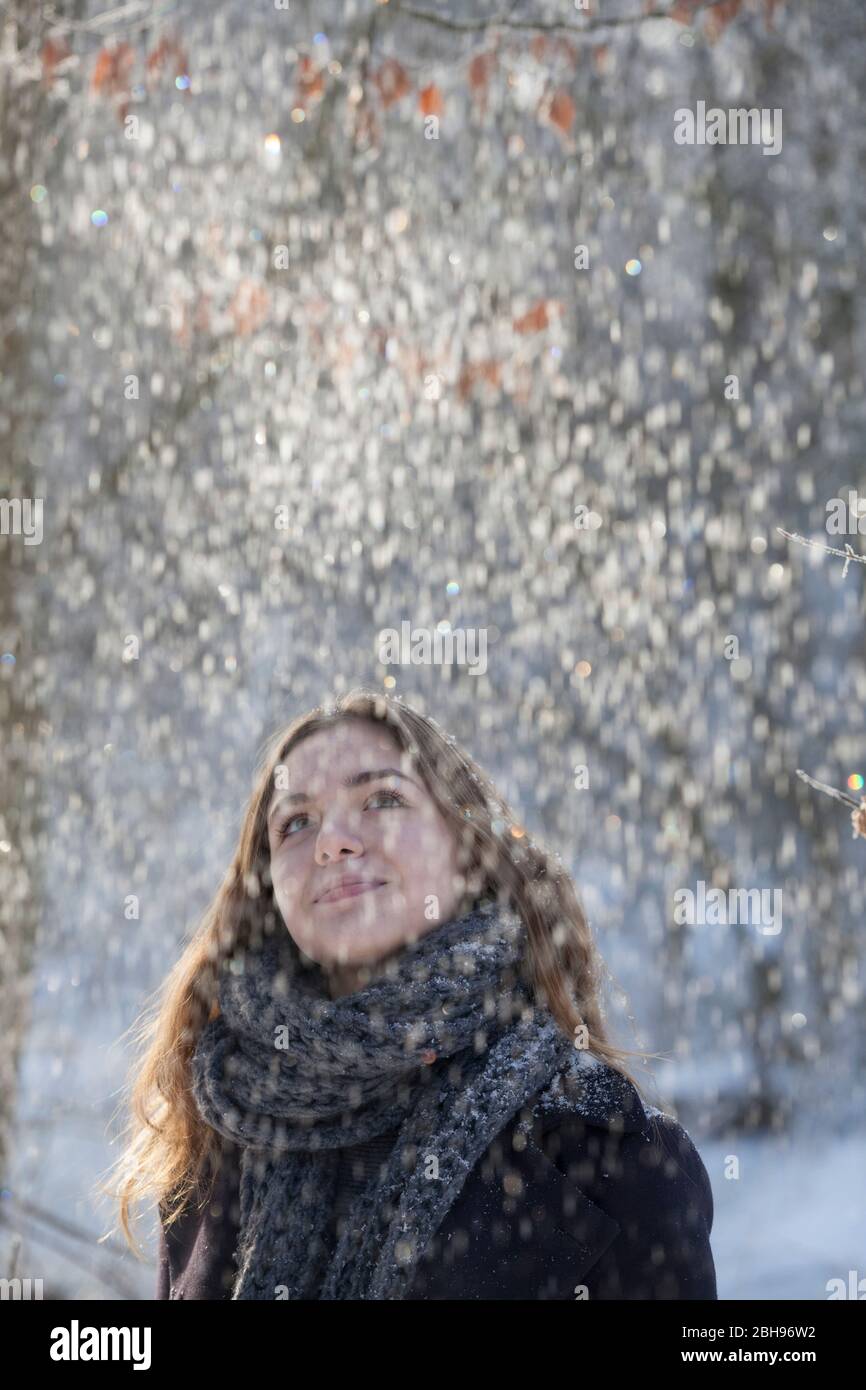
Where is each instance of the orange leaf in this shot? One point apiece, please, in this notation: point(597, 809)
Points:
point(113, 69)
point(560, 110)
point(489, 372)
point(545, 49)
point(311, 82)
point(480, 70)
point(534, 321)
point(472, 372)
point(391, 81)
point(249, 307)
point(102, 71)
point(168, 53)
point(430, 101)
point(600, 57)
point(53, 53)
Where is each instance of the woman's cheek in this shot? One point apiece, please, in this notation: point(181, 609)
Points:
point(286, 885)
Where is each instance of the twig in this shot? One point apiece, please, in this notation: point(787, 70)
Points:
point(847, 554)
point(65, 1228)
point(115, 1281)
point(13, 1255)
point(831, 791)
point(504, 21)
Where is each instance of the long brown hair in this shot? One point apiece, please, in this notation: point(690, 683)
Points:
point(169, 1146)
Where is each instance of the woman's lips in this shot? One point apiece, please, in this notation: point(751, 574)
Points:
point(348, 890)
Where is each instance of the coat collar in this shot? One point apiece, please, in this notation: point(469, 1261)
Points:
point(589, 1089)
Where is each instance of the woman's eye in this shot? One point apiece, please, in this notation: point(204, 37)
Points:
point(396, 798)
point(283, 830)
point(393, 798)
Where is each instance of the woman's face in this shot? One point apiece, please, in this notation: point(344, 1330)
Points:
point(355, 809)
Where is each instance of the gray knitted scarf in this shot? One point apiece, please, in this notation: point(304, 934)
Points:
point(446, 1044)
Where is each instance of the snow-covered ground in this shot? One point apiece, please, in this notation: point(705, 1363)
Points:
point(795, 1217)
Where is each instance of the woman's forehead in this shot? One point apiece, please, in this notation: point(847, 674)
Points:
point(345, 748)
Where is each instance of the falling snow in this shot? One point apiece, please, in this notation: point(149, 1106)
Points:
point(288, 371)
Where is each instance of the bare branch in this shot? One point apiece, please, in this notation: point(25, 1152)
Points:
point(858, 815)
point(505, 21)
point(847, 554)
point(831, 791)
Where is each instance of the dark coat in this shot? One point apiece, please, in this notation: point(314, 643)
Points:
point(606, 1200)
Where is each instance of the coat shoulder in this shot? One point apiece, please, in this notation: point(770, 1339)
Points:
point(587, 1193)
point(589, 1099)
point(640, 1167)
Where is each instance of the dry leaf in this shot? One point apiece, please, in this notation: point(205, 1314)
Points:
point(54, 52)
point(170, 54)
point(249, 307)
point(112, 70)
point(311, 82)
point(480, 71)
point(559, 109)
point(430, 101)
point(392, 81)
point(534, 321)
point(471, 372)
point(601, 57)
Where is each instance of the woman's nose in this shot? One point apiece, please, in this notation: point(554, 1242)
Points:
point(337, 837)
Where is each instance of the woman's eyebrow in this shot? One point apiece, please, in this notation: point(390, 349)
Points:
point(355, 780)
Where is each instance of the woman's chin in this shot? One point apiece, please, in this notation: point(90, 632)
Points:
point(351, 944)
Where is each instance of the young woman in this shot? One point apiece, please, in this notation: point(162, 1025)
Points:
point(380, 1071)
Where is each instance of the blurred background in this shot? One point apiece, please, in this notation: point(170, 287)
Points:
point(319, 319)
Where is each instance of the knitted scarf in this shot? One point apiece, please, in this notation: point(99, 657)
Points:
point(446, 1044)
